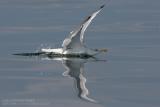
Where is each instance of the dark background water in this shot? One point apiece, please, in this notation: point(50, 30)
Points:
point(130, 29)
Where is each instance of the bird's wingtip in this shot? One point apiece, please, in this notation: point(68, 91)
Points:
point(107, 2)
point(102, 6)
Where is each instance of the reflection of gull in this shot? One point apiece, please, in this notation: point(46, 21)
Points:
point(74, 44)
point(75, 69)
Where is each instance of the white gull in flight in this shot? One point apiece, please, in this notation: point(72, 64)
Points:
point(73, 45)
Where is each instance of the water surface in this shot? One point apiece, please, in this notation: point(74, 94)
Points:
point(129, 78)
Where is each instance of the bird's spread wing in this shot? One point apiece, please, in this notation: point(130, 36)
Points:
point(76, 37)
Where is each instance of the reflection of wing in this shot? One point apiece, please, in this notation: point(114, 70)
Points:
point(75, 39)
point(75, 69)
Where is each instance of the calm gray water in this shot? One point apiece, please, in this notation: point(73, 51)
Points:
point(130, 77)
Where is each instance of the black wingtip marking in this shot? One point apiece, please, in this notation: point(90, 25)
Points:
point(88, 17)
point(102, 6)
